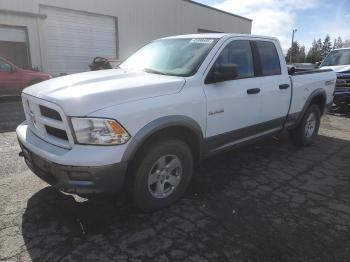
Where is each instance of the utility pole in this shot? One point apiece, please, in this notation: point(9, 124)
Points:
point(291, 50)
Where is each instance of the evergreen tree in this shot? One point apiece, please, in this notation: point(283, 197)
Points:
point(297, 52)
point(314, 54)
point(293, 51)
point(326, 47)
point(319, 44)
point(347, 43)
point(301, 55)
point(319, 49)
point(339, 42)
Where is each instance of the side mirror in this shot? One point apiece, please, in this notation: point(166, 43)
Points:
point(226, 72)
point(317, 64)
point(13, 69)
point(230, 72)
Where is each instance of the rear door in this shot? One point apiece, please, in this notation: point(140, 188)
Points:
point(274, 83)
point(233, 111)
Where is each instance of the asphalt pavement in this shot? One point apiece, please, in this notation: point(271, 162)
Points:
point(270, 201)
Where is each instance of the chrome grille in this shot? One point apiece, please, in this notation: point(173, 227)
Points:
point(343, 80)
point(50, 113)
point(47, 121)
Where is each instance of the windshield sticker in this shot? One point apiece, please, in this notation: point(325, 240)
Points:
point(202, 41)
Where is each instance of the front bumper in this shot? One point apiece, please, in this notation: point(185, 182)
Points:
point(75, 179)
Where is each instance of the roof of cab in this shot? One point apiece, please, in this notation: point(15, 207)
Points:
point(219, 35)
point(343, 48)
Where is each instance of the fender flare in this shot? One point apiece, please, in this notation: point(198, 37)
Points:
point(316, 92)
point(158, 124)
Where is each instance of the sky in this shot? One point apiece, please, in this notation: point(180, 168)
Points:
point(312, 18)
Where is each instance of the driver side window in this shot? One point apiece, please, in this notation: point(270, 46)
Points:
point(237, 53)
point(4, 67)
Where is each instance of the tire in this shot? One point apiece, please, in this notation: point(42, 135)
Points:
point(311, 121)
point(151, 189)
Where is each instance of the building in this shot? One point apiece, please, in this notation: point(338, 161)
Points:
point(63, 36)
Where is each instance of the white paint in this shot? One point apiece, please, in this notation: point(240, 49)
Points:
point(12, 34)
point(136, 99)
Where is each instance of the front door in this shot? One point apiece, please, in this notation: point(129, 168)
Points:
point(233, 107)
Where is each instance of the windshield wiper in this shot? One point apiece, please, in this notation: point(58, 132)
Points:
point(152, 71)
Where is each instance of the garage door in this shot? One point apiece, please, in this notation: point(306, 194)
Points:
point(13, 45)
point(74, 38)
point(13, 34)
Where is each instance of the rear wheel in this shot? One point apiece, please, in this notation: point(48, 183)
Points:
point(162, 174)
point(306, 132)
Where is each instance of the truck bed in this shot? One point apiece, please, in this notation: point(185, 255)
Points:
point(305, 82)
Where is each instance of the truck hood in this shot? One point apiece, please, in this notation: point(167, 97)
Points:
point(338, 69)
point(84, 93)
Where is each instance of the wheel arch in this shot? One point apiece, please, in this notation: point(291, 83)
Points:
point(318, 97)
point(179, 126)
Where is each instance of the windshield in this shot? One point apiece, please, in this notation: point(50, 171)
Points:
point(337, 57)
point(176, 56)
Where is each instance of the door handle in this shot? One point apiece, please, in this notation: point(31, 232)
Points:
point(253, 91)
point(284, 86)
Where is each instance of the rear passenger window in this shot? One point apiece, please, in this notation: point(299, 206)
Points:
point(238, 53)
point(270, 61)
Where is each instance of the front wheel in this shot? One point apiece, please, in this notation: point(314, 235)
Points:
point(306, 132)
point(162, 175)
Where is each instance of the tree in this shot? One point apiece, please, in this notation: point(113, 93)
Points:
point(297, 52)
point(319, 49)
point(326, 47)
point(302, 55)
point(346, 43)
point(314, 54)
point(339, 42)
point(292, 52)
point(319, 44)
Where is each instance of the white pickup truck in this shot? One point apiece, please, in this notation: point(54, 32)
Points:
point(339, 61)
point(176, 101)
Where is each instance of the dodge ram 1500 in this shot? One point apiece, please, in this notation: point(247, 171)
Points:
point(339, 61)
point(176, 101)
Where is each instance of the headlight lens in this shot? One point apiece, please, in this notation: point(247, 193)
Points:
point(99, 131)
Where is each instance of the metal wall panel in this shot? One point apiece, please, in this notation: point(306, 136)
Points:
point(74, 38)
point(139, 22)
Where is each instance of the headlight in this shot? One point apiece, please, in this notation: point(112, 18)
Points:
point(99, 131)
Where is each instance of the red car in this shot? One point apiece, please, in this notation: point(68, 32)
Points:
point(13, 79)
